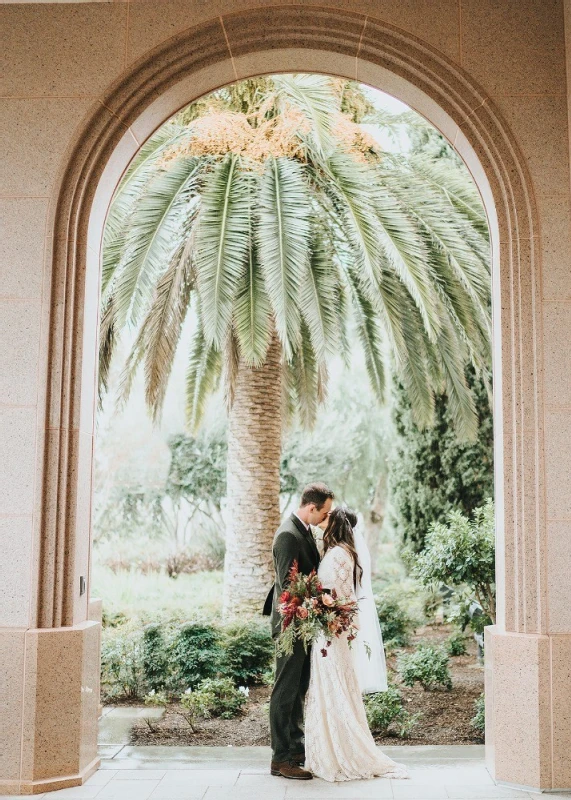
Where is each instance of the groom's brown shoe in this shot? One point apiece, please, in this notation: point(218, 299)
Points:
point(288, 769)
point(299, 759)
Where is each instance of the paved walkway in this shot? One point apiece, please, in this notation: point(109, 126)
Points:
point(241, 773)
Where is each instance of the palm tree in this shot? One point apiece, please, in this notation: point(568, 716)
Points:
point(270, 211)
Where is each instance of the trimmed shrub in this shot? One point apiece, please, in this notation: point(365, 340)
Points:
point(478, 721)
point(428, 666)
point(155, 658)
point(218, 697)
point(248, 651)
point(122, 671)
point(385, 709)
point(456, 644)
point(195, 655)
point(396, 624)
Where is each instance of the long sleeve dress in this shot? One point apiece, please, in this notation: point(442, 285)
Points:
point(338, 743)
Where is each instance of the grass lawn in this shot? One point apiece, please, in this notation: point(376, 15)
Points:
point(154, 595)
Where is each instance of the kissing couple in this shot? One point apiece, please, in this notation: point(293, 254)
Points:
point(337, 744)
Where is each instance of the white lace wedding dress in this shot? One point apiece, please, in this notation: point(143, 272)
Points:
point(338, 743)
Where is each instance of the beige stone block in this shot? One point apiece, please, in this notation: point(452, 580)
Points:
point(19, 351)
point(558, 463)
point(436, 22)
point(514, 47)
point(61, 704)
point(17, 465)
point(557, 358)
point(22, 222)
point(296, 60)
point(521, 709)
point(555, 224)
point(33, 139)
point(151, 23)
point(561, 693)
point(558, 583)
point(11, 684)
point(61, 49)
point(540, 125)
point(16, 544)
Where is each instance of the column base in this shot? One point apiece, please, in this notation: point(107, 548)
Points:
point(528, 709)
point(48, 737)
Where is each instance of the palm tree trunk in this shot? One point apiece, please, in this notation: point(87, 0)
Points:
point(254, 450)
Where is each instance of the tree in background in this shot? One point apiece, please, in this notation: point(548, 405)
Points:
point(269, 210)
point(432, 472)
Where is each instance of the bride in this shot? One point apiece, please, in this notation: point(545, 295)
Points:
point(338, 743)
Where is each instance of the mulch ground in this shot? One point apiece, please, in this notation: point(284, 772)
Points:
point(445, 717)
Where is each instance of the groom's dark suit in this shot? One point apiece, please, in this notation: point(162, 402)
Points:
point(292, 542)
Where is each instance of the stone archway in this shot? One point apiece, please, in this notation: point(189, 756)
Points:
point(519, 651)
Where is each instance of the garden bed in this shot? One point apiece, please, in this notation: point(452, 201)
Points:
point(445, 718)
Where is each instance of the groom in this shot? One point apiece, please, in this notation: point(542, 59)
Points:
point(293, 542)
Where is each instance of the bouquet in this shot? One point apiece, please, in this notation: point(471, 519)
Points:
point(308, 610)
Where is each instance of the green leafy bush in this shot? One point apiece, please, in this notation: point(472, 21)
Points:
point(456, 644)
point(428, 666)
point(385, 713)
point(431, 471)
point(462, 553)
point(122, 671)
point(155, 657)
point(195, 654)
point(478, 721)
point(218, 697)
point(248, 651)
point(396, 623)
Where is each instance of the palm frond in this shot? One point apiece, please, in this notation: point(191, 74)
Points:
point(107, 343)
point(222, 243)
point(349, 181)
point(315, 97)
point(202, 377)
point(155, 223)
point(282, 235)
point(318, 297)
point(252, 313)
point(139, 172)
point(371, 340)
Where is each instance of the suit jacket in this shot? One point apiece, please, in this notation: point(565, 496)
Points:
point(292, 542)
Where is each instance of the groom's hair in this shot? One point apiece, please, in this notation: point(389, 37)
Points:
point(316, 493)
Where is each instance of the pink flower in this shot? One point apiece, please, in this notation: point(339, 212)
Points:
point(302, 612)
point(327, 600)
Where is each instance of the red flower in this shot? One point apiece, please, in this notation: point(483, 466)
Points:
point(285, 597)
point(323, 652)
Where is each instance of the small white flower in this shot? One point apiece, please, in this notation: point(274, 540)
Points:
point(244, 690)
point(151, 693)
point(188, 691)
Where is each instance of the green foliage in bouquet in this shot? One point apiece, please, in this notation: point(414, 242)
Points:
point(308, 612)
point(386, 714)
point(428, 666)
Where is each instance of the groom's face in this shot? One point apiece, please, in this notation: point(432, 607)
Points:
point(318, 515)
